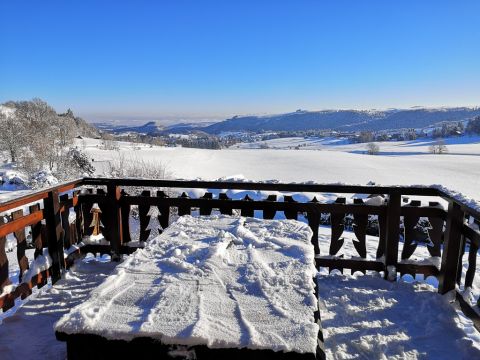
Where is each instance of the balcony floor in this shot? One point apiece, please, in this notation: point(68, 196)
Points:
point(362, 317)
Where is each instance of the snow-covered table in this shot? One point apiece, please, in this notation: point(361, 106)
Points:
point(221, 286)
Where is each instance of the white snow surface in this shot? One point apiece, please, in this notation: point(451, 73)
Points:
point(399, 163)
point(218, 281)
point(26, 331)
point(366, 317)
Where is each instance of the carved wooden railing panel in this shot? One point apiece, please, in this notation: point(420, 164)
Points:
point(46, 216)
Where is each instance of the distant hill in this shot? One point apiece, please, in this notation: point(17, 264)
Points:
point(344, 120)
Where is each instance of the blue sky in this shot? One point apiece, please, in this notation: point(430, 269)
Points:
point(212, 59)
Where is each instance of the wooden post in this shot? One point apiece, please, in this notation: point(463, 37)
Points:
point(114, 233)
point(54, 234)
point(451, 248)
point(393, 234)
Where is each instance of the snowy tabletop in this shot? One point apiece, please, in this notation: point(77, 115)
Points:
point(218, 281)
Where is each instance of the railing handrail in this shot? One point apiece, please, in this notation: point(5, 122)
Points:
point(287, 187)
point(417, 190)
point(38, 195)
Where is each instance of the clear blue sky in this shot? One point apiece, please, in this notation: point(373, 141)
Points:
point(164, 59)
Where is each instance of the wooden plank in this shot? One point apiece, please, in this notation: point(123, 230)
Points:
point(4, 276)
point(67, 241)
point(225, 205)
point(392, 231)
point(410, 241)
point(144, 218)
point(163, 208)
point(54, 234)
point(21, 245)
point(423, 211)
point(314, 188)
point(114, 233)
point(360, 223)
point(451, 249)
point(412, 269)
point(23, 290)
point(184, 209)
point(337, 223)
point(358, 265)
point(21, 222)
point(125, 209)
point(265, 205)
point(39, 195)
point(472, 265)
point(313, 217)
point(88, 346)
point(435, 234)
point(207, 210)
point(471, 234)
point(37, 232)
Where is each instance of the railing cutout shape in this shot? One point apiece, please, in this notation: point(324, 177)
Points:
point(448, 232)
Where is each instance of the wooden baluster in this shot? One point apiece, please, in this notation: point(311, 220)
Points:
point(360, 229)
point(206, 210)
point(79, 220)
point(37, 240)
point(67, 241)
point(451, 248)
point(144, 218)
point(382, 235)
point(164, 217)
point(248, 211)
point(87, 216)
point(4, 278)
point(113, 221)
point(290, 214)
point(125, 209)
point(270, 212)
point(435, 233)
point(472, 265)
point(227, 208)
point(184, 209)
point(21, 246)
point(392, 233)
point(337, 227)
point(410, 234)
point(313, 217)
point(54, 234)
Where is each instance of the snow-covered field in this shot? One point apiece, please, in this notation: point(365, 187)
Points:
point(458, 170)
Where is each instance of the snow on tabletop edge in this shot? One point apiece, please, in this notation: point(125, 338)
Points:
point(218, 281)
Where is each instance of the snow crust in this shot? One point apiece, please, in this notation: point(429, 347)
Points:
point(366, 317)
point(218, 281)
point(41, 263)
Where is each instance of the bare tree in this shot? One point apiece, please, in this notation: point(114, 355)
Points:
point(372, 149)
point(11, 135)
point(438, 147)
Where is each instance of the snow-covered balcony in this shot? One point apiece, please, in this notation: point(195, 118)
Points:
point(397, 272)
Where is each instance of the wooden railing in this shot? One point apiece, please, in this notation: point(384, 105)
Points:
point(394, 221)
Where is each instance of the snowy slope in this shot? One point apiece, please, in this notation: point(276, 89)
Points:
point(455, 171)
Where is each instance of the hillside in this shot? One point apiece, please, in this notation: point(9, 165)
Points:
point(344, 120)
